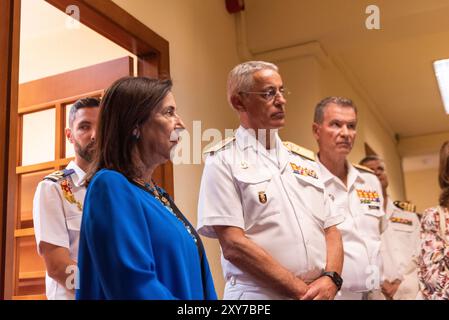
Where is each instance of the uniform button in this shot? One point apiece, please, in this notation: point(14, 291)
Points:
point(232, 281)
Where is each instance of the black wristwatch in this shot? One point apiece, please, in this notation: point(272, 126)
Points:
point(335, 278)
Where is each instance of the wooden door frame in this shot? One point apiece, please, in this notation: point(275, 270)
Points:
point(107, 19)
point(9, 84)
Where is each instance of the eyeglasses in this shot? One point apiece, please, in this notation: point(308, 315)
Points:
point(269, 94)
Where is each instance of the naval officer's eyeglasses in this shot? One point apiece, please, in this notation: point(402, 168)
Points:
point(269, 94)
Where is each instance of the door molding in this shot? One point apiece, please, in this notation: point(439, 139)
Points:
point(9, 81)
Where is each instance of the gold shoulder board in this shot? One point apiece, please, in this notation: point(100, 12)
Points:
point(303, 152)
point(58, 175)
point(219, 146)
point(363, 168)
point(405, 205)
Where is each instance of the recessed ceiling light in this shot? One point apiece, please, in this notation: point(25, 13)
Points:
point(441, 68)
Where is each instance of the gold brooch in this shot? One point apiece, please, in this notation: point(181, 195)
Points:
point(68, 194)
point(262, 197)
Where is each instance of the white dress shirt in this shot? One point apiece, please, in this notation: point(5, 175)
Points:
point(361, 202)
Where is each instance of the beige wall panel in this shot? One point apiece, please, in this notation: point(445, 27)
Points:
point(422, 145)
point(422, 188)
point(301, 77)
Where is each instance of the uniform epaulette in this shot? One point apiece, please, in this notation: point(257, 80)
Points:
point(58, 175)
point(405, 205)
point(306, 153)
point(363, 168)
point(219, 146)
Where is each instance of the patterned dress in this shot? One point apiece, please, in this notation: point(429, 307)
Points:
point(433, 270)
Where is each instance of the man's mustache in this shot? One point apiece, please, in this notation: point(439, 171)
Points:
point(90, 145)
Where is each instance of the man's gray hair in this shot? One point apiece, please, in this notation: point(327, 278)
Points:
point(241, 77)
point(339, 101)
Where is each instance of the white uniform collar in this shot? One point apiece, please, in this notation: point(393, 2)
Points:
point(353, 174)
point(326, 175)
point(246, 138)
point(78, 177)
point(283, 153)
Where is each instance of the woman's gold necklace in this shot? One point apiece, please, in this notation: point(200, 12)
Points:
point(156, 191)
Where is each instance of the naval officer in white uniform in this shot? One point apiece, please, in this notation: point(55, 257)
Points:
point(355, 191)
point(265, 202)
point(400, 242)
point(58, 204)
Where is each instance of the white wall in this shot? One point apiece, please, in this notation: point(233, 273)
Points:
point(422, 145)
point(421, 154)
point(302, 78)
point(422, 188)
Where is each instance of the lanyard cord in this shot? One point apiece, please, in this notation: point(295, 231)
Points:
point(199, 243)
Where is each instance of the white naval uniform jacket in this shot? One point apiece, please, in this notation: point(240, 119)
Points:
point(57, 220)
point(400, 249)
point(361, 202)
point(279, 203)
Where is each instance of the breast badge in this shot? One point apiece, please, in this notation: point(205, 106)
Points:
point(401, 220)
point(262, 197)
point(371, 198)
point(244, 165)
point(68, 194)
point(303, 171)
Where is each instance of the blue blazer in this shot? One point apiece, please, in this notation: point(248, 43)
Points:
point(132, 247)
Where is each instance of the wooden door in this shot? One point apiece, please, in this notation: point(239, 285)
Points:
point(44, 105)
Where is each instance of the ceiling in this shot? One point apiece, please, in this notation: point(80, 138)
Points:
point(393, 65)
